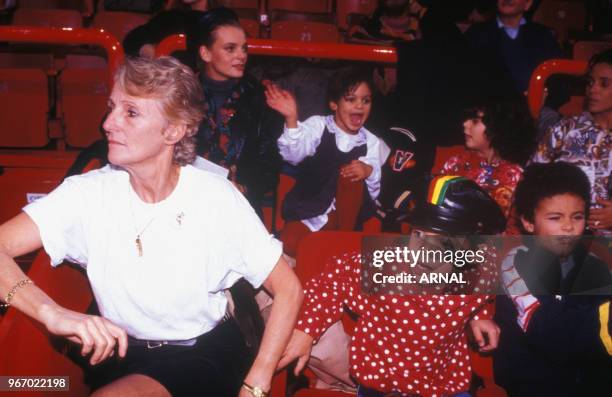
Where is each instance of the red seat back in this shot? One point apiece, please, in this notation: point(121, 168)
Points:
point(119, 23)
point(443, 153)
point(306, 31)
point(318, 6)
point(83, 95)
point(584, 50)
point(24, 103)
point(47, 18)
point(25, 348)
point(344, 8)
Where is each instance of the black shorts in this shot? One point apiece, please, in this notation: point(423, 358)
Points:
point(215, 366)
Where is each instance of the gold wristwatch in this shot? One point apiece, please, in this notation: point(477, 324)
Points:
point(256, 391)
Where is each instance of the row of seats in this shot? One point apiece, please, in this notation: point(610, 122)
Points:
point(66, 96)
point(565, 17)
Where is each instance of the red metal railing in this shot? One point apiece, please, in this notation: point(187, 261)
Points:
point(97, 37)
point(535, 95)
point(298, 49)
point(115, 53)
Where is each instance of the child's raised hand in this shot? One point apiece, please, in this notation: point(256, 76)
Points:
point(283, 102)
point(356, 171)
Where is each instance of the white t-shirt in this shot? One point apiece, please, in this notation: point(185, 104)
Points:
point(195, 243)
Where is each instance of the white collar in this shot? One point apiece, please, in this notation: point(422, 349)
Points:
point(332, 127)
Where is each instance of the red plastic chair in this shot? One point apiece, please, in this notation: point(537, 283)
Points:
point(346, 8)
point(250, 26)
point(285, 184)
point(584, 50)
point(23, 89)
point(250, 4)
point(307, 31)
point(119, 23)
point(564, 17)
point(56, 4)
point(47, 18)
point(443, 153)
point(316, 6)
point(537, 83)
point(83, 95)
point(25, 348)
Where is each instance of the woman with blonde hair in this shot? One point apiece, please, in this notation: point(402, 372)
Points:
point(160, 241)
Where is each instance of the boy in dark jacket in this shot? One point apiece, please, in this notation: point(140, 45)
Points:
point(554, 316)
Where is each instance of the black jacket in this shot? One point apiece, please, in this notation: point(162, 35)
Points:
point(561, 353)
point(259, 160)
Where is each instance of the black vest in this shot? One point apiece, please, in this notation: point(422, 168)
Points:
point(317, 179)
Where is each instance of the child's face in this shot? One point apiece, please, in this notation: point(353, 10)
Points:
point(561, 218)
point(353, 109)
point(475, 135)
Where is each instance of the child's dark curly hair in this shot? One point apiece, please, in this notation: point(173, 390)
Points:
point(542, 181)
point(346, 80)
point(510, 128)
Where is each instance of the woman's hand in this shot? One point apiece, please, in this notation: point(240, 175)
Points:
point(356, 171)
point(601, 218)
point(479, 329)
point(283, 102)
point(94, 333)
point(299, 347)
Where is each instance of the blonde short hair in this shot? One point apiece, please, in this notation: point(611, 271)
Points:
point(178, 91)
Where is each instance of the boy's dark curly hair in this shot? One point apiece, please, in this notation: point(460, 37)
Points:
point(510, 128)
point(542, 181)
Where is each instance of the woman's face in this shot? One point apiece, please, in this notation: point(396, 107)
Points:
point(599, 89)
point(135, 129)
point(226, 57)
point(475, 135)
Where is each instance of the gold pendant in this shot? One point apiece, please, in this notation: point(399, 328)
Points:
point(139, 245)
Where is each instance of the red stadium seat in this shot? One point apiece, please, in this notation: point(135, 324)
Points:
point(119, 23)
point(443, 153)
point(237, 4)
point(345, 8)
point(250, 26)
point(47, 18)
point(24, 104)
point(584, 50)
point(285, 184)
point(573, 107)
point(19, 60)
point(83, 95)
point(306, 31)
point(564, 17)
point(25, 348)
point(317, 6)
point(57, 4)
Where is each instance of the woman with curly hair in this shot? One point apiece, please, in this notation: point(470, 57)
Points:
point(499, 138)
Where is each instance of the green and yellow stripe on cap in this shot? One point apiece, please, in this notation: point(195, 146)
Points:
point(438, 187)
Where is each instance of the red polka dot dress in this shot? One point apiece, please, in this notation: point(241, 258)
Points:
point(402, 343)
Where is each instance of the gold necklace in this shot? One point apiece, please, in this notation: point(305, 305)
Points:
point(138, 240)
point(138, 235)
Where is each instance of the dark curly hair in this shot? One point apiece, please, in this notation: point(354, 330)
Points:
point(346, 80)
point(509, 127)
point(542, 181)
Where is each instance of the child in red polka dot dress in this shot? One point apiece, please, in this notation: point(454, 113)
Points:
point(415, 345)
